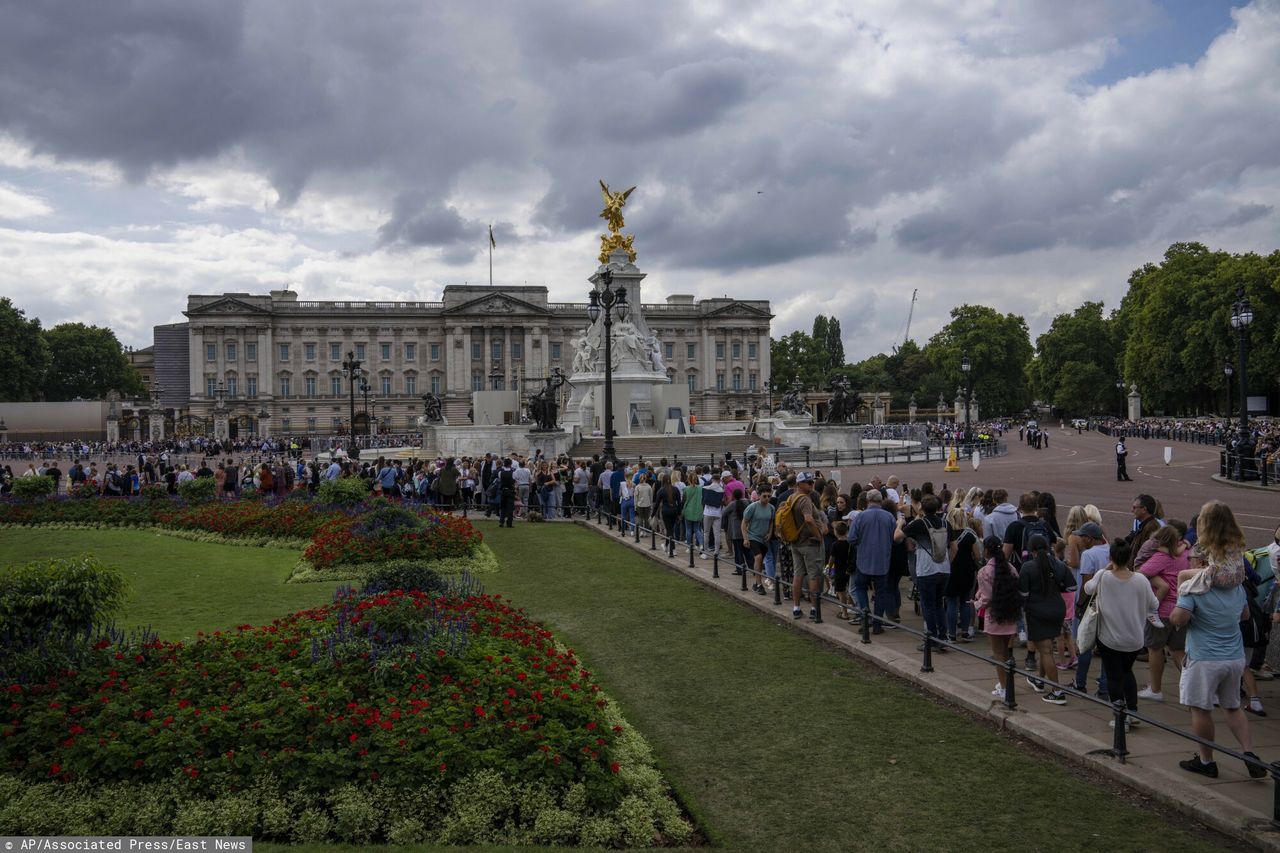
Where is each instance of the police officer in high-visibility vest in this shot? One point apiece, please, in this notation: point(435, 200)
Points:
point(1121, 452)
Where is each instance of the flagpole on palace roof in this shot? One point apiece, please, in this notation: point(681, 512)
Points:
point(492, 244)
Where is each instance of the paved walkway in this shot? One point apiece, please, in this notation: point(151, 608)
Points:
point(1079, 730)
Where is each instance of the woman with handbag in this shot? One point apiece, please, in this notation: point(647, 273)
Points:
point(1122, 603)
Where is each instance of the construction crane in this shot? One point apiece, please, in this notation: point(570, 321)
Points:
point(906, 335)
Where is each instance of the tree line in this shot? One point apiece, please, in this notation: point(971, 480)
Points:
point(61, 363)
point(1171, 336)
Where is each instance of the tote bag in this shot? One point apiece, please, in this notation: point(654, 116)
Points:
point(1087, 634)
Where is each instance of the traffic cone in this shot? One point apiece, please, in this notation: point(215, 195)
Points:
point(952, 464)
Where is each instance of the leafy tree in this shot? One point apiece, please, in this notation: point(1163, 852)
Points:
point(1082, 338)
point(23, 353)
point(87, 361)
point(1175, 326)
point(999, 348)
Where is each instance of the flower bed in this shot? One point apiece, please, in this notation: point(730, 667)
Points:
point(390, 716)
point(336, 538)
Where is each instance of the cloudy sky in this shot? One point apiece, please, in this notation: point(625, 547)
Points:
point(829, 156)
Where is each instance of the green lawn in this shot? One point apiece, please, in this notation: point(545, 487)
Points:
point(177, 586)
point(772, 741)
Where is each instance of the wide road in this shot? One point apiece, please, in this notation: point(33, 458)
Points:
point(1081, 469)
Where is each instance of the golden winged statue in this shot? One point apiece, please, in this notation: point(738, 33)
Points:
point(612, 214)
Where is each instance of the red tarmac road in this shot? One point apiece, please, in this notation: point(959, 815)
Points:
point(1081, 469)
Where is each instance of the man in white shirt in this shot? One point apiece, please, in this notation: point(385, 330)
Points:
point(523, 479)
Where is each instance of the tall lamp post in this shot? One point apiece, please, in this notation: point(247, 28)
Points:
point(1227, 370)
point(1241, 319)
point(1120, 391)
point(768, 396)
point(352, 368)
point(608, 302)
point(966, 367)
point(365, 389)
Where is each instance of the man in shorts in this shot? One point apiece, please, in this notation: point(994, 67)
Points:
point(806, 552)
point(757, 530)
point(1214, 664)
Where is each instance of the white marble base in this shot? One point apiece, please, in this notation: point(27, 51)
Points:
point(794, 432)
point(501, 439)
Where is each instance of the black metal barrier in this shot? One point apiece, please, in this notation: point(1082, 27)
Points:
point(1122, 717)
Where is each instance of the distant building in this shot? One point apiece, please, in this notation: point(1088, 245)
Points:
point(278, 355)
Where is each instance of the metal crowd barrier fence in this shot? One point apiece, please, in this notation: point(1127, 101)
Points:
point(1121, 715)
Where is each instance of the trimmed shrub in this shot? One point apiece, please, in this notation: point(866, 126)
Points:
point(198, 491)
point(56, 599)
point(344, 491)
point(33, 488)
point(408, 575)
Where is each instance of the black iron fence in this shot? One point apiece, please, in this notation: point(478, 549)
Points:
point(930, 647)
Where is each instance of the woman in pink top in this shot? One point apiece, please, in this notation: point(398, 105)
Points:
point(1171, 555)
point(999, 599)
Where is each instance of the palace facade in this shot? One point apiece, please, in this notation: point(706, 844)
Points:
point(278, 359)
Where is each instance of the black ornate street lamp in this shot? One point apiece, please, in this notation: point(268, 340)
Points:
point(1241, 319)
point(607, 301)
point(1120, 389)
point(966, 367)
point(1227, 370)
point(352, 368)
point(365, 389)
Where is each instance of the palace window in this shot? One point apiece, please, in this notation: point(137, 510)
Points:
point(719, 350)
point(693, 382)
point(210, 352)
point(310, 384)
point(477, 382)
point(691, 351)
point(752, 380)
point(555, 350)
point(496, 347)
point(411, 385)
point(210, 386)
point(737, 350)
point(309, 352)
point(335, 352)
point(517, 350)
point(410, 352)
point(335, 386)
point(284, 352)
point(386, 386)
point(386, 352)
point(720, 381)
point(284, 386)
point(231, 352)
point(669, 351)
point(435, 383)
point(359, 352)
point(435, 352)
point(250, 352)
point(737, 380)
point(251, 386)
point(477, 351)
point(753, 350)
point(231, 386)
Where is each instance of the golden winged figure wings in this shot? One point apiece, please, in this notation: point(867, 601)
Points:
point(613, 203)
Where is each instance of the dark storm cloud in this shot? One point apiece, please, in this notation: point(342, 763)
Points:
point(1245, 214)
point(755, 139)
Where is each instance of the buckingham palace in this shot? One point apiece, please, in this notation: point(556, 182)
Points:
point(277, 361)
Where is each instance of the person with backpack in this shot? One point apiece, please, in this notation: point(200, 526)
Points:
point(1042, 579)
point(933, 542)
point(802, 525)
point(1017, 537)
point(692, 512)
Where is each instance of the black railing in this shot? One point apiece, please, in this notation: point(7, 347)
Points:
point(1121, 715)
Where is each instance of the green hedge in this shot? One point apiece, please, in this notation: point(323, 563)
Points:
point(33, 488)
point(56, 598)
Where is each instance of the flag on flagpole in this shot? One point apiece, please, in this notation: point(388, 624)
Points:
point(492, 244)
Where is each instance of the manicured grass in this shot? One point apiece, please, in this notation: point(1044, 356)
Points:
point(178, 586)
point(777, 743)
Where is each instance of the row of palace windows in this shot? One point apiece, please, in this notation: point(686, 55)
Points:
point(310, 351)
point(334, 423)
point(338, 386)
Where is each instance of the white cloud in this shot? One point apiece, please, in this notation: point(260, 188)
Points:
point(16, 205)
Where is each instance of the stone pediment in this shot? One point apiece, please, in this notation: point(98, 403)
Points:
point(226, 305)
point(740, 309)
point(497, 303)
